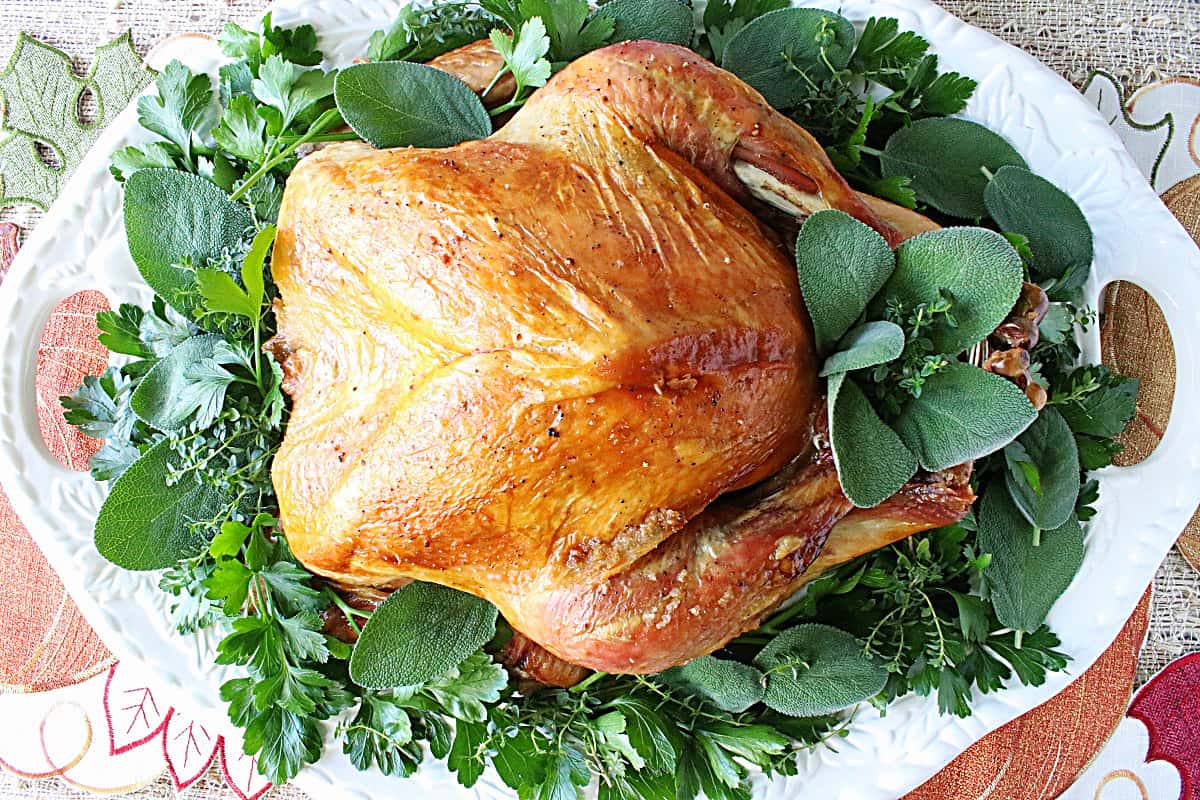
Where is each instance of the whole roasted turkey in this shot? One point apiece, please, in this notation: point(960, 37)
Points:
point(568, 368)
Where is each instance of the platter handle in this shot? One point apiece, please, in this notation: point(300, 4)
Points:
point(1176, 290)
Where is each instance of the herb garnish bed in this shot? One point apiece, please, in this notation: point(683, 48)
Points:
point(195, 410)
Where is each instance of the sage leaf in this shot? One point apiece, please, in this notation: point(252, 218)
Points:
point(420, 633)
point(814, 670)
point(728, 685)
point(871, 459)
point(147, 521)
point(667, 21)
point(841, 264)
point(189, 383)
point(946, 159)
point(977, 268)
point(963, 413)
point(1024, 579)
point(1049, 445)
point(397, 103)
point(772, 51)
point(174, 218)
point(868, 345)
point(1060, 237)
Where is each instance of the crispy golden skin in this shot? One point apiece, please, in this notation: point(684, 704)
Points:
point(526, 367)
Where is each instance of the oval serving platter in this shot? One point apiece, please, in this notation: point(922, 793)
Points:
point(80, 244)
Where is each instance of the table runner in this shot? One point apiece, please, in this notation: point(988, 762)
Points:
point(1137, 42)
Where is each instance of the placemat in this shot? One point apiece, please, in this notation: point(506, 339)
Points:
point(1138, 42)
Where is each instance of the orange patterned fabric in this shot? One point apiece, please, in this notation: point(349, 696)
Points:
point(47, 643)
point(1184, 201)
point(67, 354)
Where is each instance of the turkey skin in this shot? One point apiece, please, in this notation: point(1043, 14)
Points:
point(567, 368)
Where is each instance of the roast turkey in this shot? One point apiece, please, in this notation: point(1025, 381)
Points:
point(568, 369)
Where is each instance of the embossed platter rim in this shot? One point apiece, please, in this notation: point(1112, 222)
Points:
point(81, 244)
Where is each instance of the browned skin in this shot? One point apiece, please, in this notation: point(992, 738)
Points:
point(526, 367)
point(927, 501)
point(532, 662)
point(476, 65)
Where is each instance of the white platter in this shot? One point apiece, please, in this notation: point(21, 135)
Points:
point(81, 244)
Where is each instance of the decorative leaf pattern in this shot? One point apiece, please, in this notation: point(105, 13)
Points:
point(10, 243)
point(134, 714)
point(240, 770)
point(41, 100)
point(189, 749)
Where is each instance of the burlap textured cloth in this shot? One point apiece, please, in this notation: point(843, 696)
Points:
point(1138, 41)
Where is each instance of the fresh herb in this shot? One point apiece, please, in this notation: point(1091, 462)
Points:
point(893, 384)
point(643, 737)
point(153, 517)
point(724, 18)
point(420, 33)
point(872, 461)
point(937, 412)
point(176, 223)
point(870, 344)
point(1059, 237)
point(725, 683)
point(1095, 401)
point(524, 56)
point(976, 269)
point(949, 163)
point(963, 413)
point(916, 606)
point(188, 385)
point(1045, 482)
point(853, 96)
point(572, 29)
point(395, 103)
point(669, 21)
point(297, 45)
point(1030, 568)
point(785, 53)
point(276, 637)
point(181, 113)
point(242, 133)
point(814, 670)
point(841, 264)
point(420, 632)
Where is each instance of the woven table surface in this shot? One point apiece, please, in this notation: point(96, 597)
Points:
point(1138, 41)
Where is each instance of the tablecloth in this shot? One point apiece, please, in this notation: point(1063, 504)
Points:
point(1138, 41)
